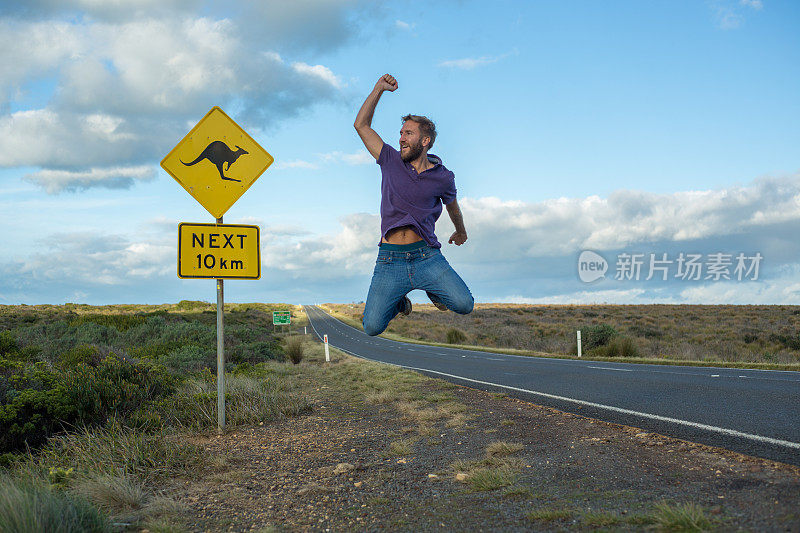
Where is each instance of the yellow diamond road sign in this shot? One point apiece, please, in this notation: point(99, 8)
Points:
point(217, 162)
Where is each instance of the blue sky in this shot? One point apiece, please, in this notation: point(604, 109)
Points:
point(617, 127)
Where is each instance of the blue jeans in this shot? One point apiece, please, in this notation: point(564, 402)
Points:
point(399, 272)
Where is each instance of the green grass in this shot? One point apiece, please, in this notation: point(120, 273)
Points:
point(546, 514)
point(398, 448)
point(502, 449)
point(686, 517)
point(30, 507)
point(249, 399)
point(485, 479)
point(600, 519)
point(122, 452)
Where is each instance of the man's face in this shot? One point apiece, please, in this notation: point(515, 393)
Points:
point(410, 141)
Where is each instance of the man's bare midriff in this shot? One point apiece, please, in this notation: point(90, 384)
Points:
point(401, 235)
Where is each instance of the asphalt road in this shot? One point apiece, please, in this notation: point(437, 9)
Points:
point(755, 412)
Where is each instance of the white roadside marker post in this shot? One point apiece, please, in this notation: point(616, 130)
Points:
point(327, 353)
point(579, 343)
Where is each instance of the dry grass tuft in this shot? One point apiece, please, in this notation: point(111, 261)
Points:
point(503, 449)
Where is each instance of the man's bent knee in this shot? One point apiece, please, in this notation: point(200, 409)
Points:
point(463, 306)
point(372, 328)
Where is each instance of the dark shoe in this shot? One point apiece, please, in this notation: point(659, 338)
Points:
point(436, 302)
point(407, 309)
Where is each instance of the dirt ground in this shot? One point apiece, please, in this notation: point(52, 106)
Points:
point(353, 465)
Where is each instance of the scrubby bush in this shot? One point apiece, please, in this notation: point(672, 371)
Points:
point(87, 354)
point(68, 371)
point(8, 343)
point(618, 347)
point(294, 349)
point(248, 400)
point(36, 507)
point(598, 335)
point(118, 322)
point(39, 400)
point(191, 305)
point(455, 336)
point(255, 352)
point(791, 341)
point(189, 358)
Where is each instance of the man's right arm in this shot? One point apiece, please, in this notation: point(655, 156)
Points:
point(363, 123)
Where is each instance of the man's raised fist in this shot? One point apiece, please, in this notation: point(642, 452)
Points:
point(386, 83)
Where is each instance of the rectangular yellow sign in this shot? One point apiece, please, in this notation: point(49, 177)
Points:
point(221, 251)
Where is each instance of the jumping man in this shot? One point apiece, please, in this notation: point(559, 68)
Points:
point(414, 186)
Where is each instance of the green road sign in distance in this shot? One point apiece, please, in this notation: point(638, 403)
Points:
point(281, 318)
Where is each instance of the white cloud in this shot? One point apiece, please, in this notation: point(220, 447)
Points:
point(469, 63)
point(350, 251)
point(43, 45)
point(610, 296)
point(295, 163)
point(56, 181)
point(88, 259)
point(128, 80)
point(321, 72)
point(517, 251)
point(399, 24)
point(730, 15)
point(361, 157)
point(566, 225)
point(102, 9)
point(755, 4)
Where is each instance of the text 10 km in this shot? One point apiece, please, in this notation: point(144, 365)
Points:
point(209, 261)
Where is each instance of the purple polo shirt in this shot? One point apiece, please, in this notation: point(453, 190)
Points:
point(412, 199)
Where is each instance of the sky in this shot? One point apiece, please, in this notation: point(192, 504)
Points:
point(604, 152)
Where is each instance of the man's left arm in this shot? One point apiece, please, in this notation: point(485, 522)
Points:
point(460, 236)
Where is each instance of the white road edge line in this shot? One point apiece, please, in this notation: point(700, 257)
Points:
point(609, 368)
point(696, 425)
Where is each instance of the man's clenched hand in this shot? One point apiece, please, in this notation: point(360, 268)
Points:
point(386, 83)
point(458, 238)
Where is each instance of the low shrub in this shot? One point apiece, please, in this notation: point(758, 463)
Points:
point(8, 343)
point(248, 400)
point(618, 347)
point(87, 354)
point(118, 322)
point(191, 305)
point(791, 341)
point(255, 352)
point(189, 358)
point(27, 506)
point(294, 349)
point(455, 336)
point(119, 451)
point(40, 400)
point(598, 335)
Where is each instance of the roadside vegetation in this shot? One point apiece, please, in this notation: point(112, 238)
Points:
point(767, 336)
point(96, 404)
point(109, 413)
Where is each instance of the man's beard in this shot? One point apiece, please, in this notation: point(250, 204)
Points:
point(414, 152)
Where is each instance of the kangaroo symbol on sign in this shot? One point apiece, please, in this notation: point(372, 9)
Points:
point(218, 153)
